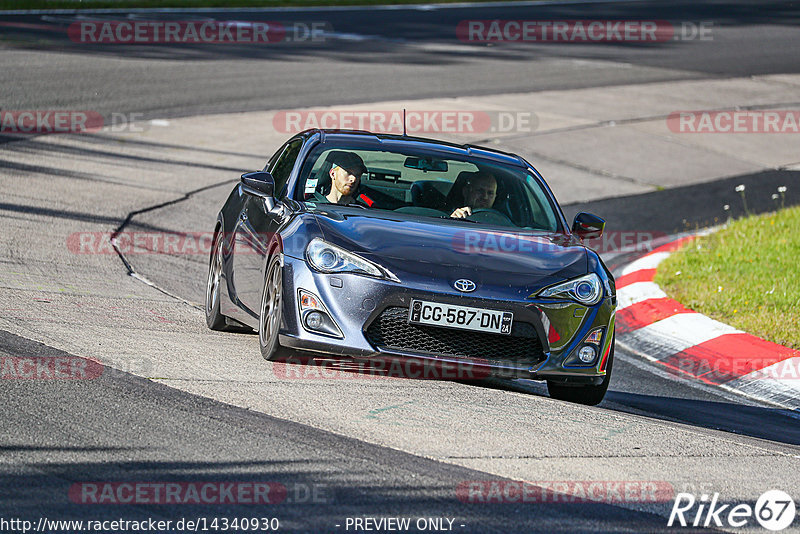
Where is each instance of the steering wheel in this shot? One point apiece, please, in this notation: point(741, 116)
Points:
point(490, 216)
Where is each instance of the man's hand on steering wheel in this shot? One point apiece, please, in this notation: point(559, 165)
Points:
point(462, 213)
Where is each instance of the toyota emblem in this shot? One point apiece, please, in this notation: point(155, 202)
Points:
point(464, 285)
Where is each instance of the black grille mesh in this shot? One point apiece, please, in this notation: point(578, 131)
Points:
point(391, 330)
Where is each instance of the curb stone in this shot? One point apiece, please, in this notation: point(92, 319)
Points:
point(694, 346)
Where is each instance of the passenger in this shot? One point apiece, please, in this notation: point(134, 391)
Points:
point(479, 193)
point(345, 176)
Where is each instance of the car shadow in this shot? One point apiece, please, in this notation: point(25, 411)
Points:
point(773, 424)
point(286, 495)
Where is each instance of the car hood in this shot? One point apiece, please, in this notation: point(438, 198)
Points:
point(431, 250)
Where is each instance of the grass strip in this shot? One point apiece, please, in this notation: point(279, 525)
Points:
point(745, 275)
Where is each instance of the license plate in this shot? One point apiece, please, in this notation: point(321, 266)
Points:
point(464, 317)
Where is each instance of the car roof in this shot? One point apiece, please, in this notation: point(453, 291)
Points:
point(388, 140)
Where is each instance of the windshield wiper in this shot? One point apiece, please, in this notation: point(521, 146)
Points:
point(458, 219)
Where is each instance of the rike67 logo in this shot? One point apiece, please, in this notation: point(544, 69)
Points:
point(774, 510)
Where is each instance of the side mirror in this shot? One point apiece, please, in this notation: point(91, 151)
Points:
point(588, 226)
point(260, 182)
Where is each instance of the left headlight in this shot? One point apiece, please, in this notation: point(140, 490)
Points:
point(586, 289)
point(328, 258)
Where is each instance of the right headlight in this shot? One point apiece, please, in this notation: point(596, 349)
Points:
point(328, 258)
point(587, 290)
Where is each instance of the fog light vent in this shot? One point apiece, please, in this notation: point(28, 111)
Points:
point(587, 354)
point(314, 320)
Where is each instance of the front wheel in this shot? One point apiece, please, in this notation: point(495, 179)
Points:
point(271, 310)
point(588, 395)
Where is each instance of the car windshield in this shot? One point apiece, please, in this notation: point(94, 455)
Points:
point(426, 185)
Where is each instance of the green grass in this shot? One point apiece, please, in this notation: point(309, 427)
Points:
point(130, 4)
point(745, 275)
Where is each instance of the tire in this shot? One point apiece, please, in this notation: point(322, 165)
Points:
point(588, 395)
point(214, 319)
point(269, 321)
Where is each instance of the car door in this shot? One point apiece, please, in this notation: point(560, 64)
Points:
point(258, 221)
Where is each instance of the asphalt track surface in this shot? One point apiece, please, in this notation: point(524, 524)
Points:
point(375, 55)
point(125, 427)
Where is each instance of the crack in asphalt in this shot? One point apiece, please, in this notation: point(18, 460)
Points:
point(131, 271)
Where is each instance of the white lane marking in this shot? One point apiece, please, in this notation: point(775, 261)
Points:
point(679, 332)
point(393, 7)
point(638, 292)
point(650, 261)
point(654, 346)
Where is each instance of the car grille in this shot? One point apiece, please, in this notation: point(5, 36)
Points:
point(391, 330)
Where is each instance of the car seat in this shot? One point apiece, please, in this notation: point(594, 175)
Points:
point(425, 194)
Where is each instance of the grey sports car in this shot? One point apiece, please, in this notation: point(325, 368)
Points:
point(373, 246)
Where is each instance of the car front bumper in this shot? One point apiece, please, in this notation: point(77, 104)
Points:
point(356, 302)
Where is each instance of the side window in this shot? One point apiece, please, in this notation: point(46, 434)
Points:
point(274, 158)
point(282, 167)
point(543, 216)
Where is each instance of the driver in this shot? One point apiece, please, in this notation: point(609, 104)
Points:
point(345, 176)
point(479, 193)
